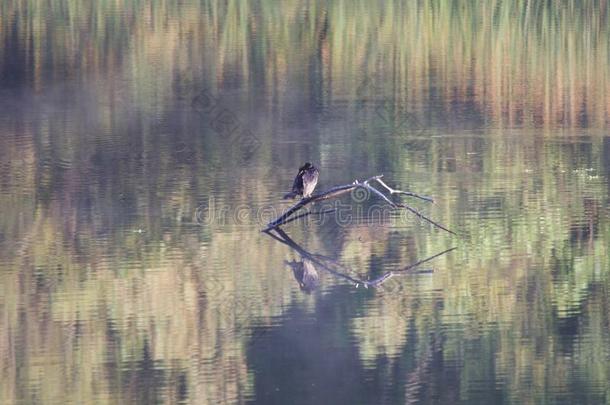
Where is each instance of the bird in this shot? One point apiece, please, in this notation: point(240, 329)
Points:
point(305, 181)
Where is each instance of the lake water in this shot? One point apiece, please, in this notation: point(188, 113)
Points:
point(144, 145)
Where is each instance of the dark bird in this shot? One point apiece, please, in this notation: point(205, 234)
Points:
point(305, 181)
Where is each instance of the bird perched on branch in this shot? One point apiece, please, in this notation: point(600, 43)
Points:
point(305, 181)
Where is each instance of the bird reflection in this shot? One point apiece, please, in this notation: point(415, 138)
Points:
point(306, 275)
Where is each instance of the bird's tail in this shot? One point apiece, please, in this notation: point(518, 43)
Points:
point(290, 196)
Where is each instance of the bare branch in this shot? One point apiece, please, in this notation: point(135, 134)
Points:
point(331, 193)
point(407, 193)
point(402, 205)
point(422, 216)
point(378, 193)
point(340, 190)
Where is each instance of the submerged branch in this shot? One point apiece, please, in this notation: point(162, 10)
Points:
point(422, 216)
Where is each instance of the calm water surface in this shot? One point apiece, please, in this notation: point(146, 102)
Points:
point(143, 146)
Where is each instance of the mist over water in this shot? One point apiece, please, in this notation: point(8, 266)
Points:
point(143, 146)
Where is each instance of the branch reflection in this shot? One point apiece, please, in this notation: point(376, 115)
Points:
point(306, 270)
